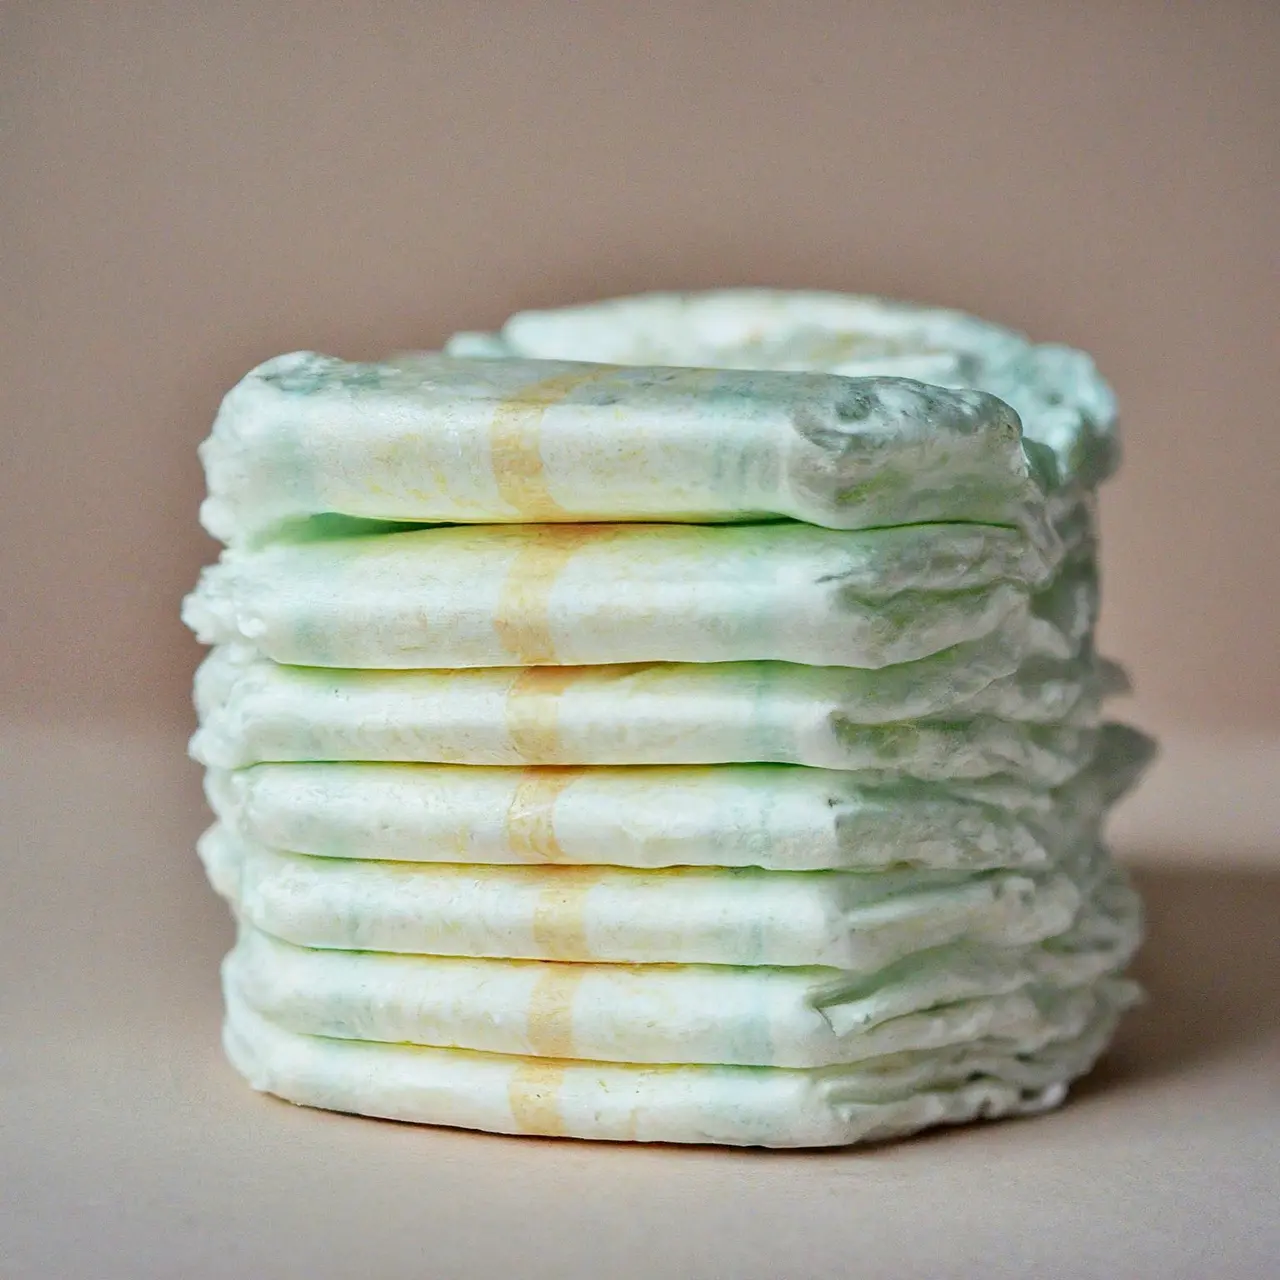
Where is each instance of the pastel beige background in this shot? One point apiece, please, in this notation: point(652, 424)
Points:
point(188, 188)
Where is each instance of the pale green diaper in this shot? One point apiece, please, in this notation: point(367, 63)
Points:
point(431, 437)
point(577, 594)
point(963, 713)
point(679, 915)
point(1067, 410)
point(781, 817)
point(932, 999)
point(623, 1102)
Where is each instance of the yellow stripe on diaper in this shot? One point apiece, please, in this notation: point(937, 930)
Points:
point(549, 1024)
point(532, 711)
point(523, 618)
point(515, 437)
point(530, 820)
point(534, 1094)
point(560, 916)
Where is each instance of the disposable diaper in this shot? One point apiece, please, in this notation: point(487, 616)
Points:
point(866, 1101)
point(681, 915)
point(806, 1016)
point(963, 713)
point(433, 437)
point(577, 594)
point(777, 817)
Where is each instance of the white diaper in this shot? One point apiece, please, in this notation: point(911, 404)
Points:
point(623, 1102)
point(734, 916)
point(1068, 412)
point(573, 594)
point(662, 1012)
point(431, 437)
point(952, 715)
point(779, 817)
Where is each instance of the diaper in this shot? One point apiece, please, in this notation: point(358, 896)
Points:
point(867, 1101)
point(1068, 412)
point(705, 915)
point(693, 1013)
point(433, 437)
point(778, 817)
point(578, 594)
point(924, 719)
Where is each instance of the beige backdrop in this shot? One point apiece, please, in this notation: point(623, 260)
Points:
point(188, 188)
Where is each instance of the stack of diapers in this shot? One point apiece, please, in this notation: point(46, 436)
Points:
point(672, 719)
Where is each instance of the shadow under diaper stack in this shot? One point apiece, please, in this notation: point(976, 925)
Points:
point(671, 719)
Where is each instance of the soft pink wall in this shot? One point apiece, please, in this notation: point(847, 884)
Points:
point(187, 188)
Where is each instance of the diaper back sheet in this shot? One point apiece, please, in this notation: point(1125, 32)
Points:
point(661, 1013)
point(735, 916)
point(1068, 412)
point(952, 715)
point(780, 817)
point(432, 437)
point(625, 1102)
point(574, 594)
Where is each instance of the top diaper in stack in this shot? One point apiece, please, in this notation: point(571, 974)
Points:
point(670, 719)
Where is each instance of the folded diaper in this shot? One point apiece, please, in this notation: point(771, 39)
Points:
point(865, 1101)
point(778, 817)
point(578, 594)
point(960, 714)
point(437, 438)
point(1068, 412)
point(752, 1016)
point(685, 915)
